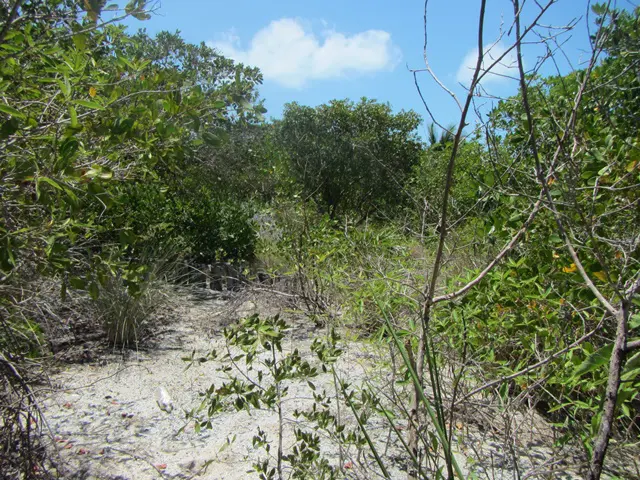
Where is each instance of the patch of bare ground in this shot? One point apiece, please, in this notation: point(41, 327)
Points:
point(105, 422)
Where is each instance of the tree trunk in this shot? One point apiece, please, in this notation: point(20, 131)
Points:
point(611, 395)
point(414, 417)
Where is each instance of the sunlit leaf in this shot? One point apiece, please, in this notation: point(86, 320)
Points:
point(11, 111)
point(73, 115)
point(88, 104)
point(594, 361)
point(602, 276)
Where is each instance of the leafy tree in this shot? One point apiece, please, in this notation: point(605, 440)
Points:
point(440, 141)
point(225, 83)
point(84, 115)
point(428, 178)
point(348, 157)
point(251, 165)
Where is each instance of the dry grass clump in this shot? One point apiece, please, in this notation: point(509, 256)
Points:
point(21, 348)
point(125, 317)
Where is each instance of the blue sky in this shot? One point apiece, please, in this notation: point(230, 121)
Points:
point(313, 51)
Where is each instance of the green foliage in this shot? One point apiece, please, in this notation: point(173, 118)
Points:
point(347, 268)
point(118, 149)
point(439, 142)
point(351, 158)
point(94, 123)
point(90, 115)
point(20, 335)
point(252, 165)
point(187, 216)
point(538, 304)
point(253, 336)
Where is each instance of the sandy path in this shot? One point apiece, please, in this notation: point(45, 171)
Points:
point(107, 424)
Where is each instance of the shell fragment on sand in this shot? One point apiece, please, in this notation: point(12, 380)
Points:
point(164, 400)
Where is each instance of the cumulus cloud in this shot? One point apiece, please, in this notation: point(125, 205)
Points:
point(292, 55)
point(500, 73)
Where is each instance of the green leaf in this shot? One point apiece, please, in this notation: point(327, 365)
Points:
point(9, 127)
point(122, 125)
point(242, 102)
point(73, 114)
point(78, 283)
point(99, 172)
point(88, 104)
point(631, 367)
point(214, 139)
point(51, 182)
point(555, 238)
point(141, 16)
point(80, 41)
point(11, 48)
point(7, 259)
point(93, 8)
point(127, 237)
point(65, 86)
point(12, 111)
point(68, 147)
point(131, 6)
point(72, 198)
point(594, 361)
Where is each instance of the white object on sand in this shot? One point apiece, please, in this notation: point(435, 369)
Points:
point(164, 400)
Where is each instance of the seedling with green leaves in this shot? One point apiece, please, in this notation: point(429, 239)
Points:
point(259, 374)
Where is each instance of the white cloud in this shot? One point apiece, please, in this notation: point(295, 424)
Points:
point(292, 55)
point(500, 73)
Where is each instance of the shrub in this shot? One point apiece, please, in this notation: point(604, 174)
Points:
point(190, 219)
point(126, 316)
point(341, 269)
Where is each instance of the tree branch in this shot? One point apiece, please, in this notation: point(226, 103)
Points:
point(12, 16)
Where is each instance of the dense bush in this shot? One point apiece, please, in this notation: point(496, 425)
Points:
point(426, 183)
point(189, 217)
point(120, 153)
